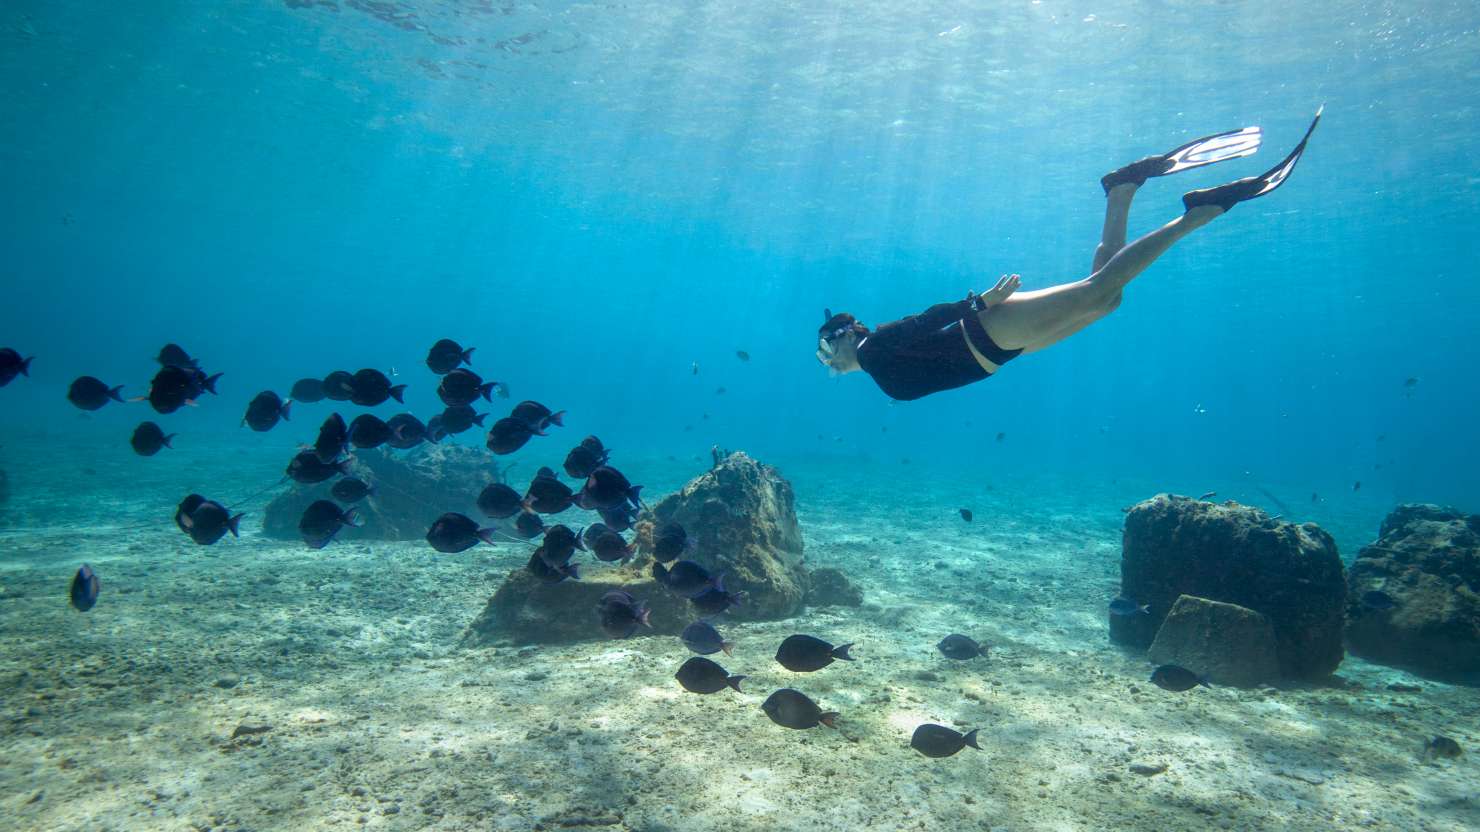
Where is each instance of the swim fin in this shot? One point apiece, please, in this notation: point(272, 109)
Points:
point(1232, 144)
point(1240, 190)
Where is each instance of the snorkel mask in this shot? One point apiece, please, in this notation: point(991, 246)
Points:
point(825, 340)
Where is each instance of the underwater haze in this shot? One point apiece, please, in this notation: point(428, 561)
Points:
point(637, 212)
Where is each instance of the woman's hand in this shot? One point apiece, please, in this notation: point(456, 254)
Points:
point(1006, 285)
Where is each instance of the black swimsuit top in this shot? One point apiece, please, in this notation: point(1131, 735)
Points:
point(922, 354)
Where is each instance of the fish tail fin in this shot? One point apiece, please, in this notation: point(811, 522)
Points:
point(1144, 609)
point(581, 544)
point(287, 408)
point(209, 383)
point(478, 420)
point(343, 464)
point(970, 739)
point(115, 395)
point(167, 439)
point(487, 535)
point(660, 573)
point(828, 718)
point(25, 367)
point(644, 614)
point(573, 571)
point(734, 682)
point(233, 524)
point(635, 495)
point(399, 393)
point(486, 391)
point(467, 355)
point(351, 518)
point(841, 652)
point(558, 418)
point(728, 647)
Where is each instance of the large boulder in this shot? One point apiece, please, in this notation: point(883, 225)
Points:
point(412, 489)
point(1224, 643)
point(742, 516)
point(1427, 559)
point(1292, 574)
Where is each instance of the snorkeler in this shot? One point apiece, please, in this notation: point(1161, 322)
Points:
point(953, 344)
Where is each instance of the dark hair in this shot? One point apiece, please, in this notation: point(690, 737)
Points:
point(842, 320)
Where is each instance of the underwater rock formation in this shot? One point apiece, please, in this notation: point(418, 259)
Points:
point(1292, 574)
point(1427, 560)
point(411, 490)
point(742, 515)
point(1224, 643)
point(829, 587)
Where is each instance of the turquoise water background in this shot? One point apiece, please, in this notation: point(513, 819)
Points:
point(597, 196)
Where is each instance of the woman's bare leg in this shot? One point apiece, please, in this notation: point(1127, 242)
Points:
point(1033, 320)
point(1117, 214)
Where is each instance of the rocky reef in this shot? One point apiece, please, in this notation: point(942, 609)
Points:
point(1427, 561)
point(1290, 574)
point(410, 491)
point(742, 518)
point(1224, 643)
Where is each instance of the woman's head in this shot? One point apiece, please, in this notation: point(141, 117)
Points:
point(837, 341)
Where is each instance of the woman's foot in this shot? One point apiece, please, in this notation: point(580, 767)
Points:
point(1231, 144)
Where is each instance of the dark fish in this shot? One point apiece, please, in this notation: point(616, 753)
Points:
point(966, 514)
point(149, 438)
point(607, 487)
point(407, 431)
point(1357, 486)
point(463, 386)
point(461, 417)
point(264, 411)
point(307, 390)
point(369, 388)
point(90, 394)
point(1125, 606)
point(12, 365)
point(715, 599)
point(339, 386)
point(174, 355)
point(792, 709)
point(940, 741)
point(804, 654)
point(560, 544)
point(1376, 599)
point(1410, 382)
point(547, 494)
point(1001, 436)
point(509, 435)
point(1175, 678)
point(618, 518)
point(670, 541)
point(608, 546)
point(453, 532)
point(703, 639)
point(173, 388)
point(321, 521)
point(700, 675)
point(742, 355)
point(308, 468)
point(499, 501)
point(435, 432)
point(1314, 497)
point(351, 490)
point(959, 647)
point(205, 521)
point(696, 368)
point(84, 589)
point(685, 577)
point(368, 431)
point(527, 524)
point(545, 572)
point(1439, 746)
point(446, 355)
point(333, 438)
point(621, 614)
point(585, 458)
point(719, 391)
point(537, 415)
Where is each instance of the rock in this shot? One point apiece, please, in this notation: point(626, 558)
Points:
point(246, 730)
point(1148, 769)
point(412, 488)
point(528, 610)
point(1291, 574)
point(1225, 643)
point(829, 587)
point(1427, 559)
point(742, 515)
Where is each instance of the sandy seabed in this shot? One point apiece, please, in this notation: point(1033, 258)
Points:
point(259, 685)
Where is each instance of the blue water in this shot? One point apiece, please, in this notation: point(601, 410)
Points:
point(598, 196)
